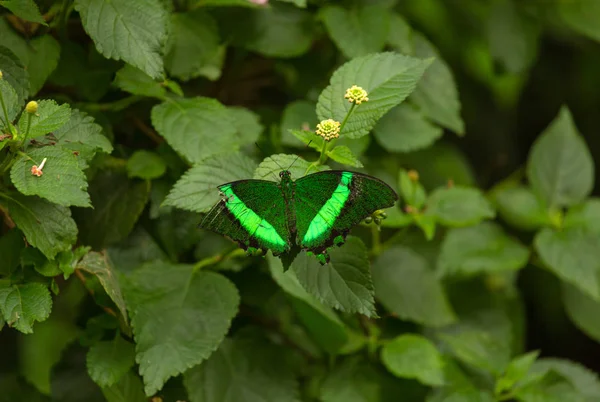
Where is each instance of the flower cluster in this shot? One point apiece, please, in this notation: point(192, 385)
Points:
point(328, 129)
point(356, 94)
point(37, 171)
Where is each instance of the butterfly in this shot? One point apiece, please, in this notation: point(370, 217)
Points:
point(312, 213)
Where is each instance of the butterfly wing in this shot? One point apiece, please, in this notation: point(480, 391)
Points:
point(328, 204)
point(253, 213)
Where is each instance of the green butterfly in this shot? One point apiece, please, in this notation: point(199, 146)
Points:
point(312, 213)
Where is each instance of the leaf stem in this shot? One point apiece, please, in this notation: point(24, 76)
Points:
point(24, 141)
point(376, 240)
point(208, 261)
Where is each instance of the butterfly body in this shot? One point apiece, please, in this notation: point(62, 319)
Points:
point(312, 213)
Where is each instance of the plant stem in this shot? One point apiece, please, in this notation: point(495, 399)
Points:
point(24, 141)
point(6, 122)
point(208, 261)
point(376, 240)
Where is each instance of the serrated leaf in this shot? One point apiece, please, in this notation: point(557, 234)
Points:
point(436, 93)
point(583, 310)
point(515, 372)
point(118, 203)
point(178, 318)
point(22, 305)
point(459, 206)
point(145, 165)
point(387, 77)
point(406, 286)
point(573, 255)
point(197, 128)
point(98, 264)
point(271, 166)
point(43, 56)
point(48, 118)
point(560, 167)
point(356, 32)
point(405, 129)
point(46, 226)
point(400, 35)
point(242, 370)
point(11, 244)
point(134, 32)
point(24, 9)
point(197, 189)
point(247, 124)
point(521, 208)
point(298, 115)
point(480, 249)
point(83, 135)
point(62, 181)
point(128, 389)
point(345, 283)
point(551, 387)
point(324, 325)
point(135, 81)
point(412, 356)
point(192, 44)
point(14, 73)
point(309, 139)
point(11, 101)
point(586, 215)
point(582, 16)
point(585, 381)
point(342, 154)
point(109, 361)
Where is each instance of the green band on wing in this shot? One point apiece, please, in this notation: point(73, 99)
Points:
point(325, 218)
point(254, 224)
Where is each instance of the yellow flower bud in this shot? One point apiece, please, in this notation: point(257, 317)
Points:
point(413, 175)
point(328, 129)
point(0, 74)
point(356, 94)
point(31, 107)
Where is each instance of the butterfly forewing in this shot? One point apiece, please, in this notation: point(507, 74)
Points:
point(330, 203)
point(253, 213)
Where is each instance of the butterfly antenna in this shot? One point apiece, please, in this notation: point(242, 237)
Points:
point(297, 157)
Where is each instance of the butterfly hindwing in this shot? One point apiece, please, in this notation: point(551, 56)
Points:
point(253, 213)
point(328, 204)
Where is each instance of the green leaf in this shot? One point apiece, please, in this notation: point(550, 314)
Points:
point(192, 44)
point(406, 286)
point(427, 224)
point(48, 118)
point(412, 356)
point(280, 30)
point(552, 387)
point(411, 190)
point(400, 35)
point(586, 215)
point(405, 129)
point(436, 94)
point(459, 206)
point(321, 321)
point(573, 255)
point(247, 124)
point(137, 82)
point(43, 54)
point(118, 203)
point(41, 351)
point(521, 208)
point(46, 226)
point(516, 371)
point(342, 154)
point(62, 181)
point(11, 244)
point(22, 305)
point(99, 265)
point(83, 135)
point(270, 168)
point(345, 283)
point(242, 370)
point(560, 168)
point(14, 73)
point(309, 139)
point(128, 389)
point(585, 381)
point(480, 249)
point(197, 190)
point(24, 9)
point(356, 32)
point(387, 77)
point(582, 16)
point(196, 128)
point(11, 101)
point(297, 115)
point(145, 165)
point(109, 361)
point(134, 32)
point(178, 318)
point(582, 310)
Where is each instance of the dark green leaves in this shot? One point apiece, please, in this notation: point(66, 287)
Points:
point(22, 305)
point(25, 9)
point(178, 317)
point(560, 168)
point(145, 165)
point(14, 73)
point(387, 77)
point(109, 361)
point(131, 31)
point(457, 206)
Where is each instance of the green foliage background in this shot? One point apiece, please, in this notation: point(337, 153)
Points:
point(483, 284)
